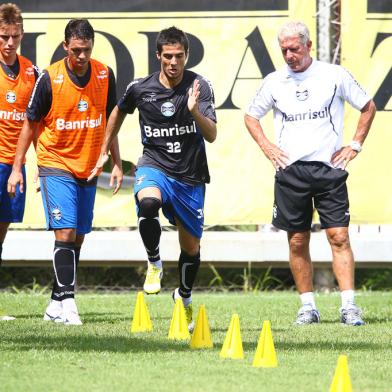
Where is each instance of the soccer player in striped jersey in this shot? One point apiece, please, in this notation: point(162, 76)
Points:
point(72, 99)
point(17, 79)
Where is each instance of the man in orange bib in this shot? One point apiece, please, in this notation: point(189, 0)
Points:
point(17, 79)
point(72, 99)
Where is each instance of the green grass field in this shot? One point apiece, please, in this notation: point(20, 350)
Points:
point(102, 355)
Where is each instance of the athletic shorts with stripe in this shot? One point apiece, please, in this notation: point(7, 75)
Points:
point(303, 186)
point(180, 200)
point(68, 204)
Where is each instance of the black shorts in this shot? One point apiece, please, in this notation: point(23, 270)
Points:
point(303, 186)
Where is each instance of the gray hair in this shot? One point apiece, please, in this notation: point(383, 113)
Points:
point(292, 29)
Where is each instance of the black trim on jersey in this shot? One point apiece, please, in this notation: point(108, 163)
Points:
point(53, 171)
point(41, 99)
point(329, 111)
point(12, 71)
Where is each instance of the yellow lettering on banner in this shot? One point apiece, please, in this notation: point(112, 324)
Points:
point(367, 54)
point(234, 50)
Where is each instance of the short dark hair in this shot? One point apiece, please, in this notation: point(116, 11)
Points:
point(11, 14)
point(78, 28)
point(171, 36)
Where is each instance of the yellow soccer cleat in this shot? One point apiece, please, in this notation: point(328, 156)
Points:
point(188, 310)
point(152, 284)
point(189, 317)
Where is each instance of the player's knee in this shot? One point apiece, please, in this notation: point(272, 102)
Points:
point(149, 207)
point(339, 239)
point(190, 258)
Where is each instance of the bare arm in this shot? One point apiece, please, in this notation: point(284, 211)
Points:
point(278, 157)
point(27, 134)
point(117, 173)
point(342, 157)
point(206, 125)
point(113, 126)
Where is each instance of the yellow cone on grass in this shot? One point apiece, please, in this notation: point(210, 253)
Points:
point(265, 355)
point(232, 346)
point(178, 326)
point(201, 337)
point(141, 317)
point(341, 380)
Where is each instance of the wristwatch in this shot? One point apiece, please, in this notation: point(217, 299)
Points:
point(356, 146)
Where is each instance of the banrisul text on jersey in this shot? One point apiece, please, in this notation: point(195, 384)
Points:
point(176, 130)
point(75, 124)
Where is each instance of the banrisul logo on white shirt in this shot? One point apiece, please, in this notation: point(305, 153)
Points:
point(309, 115)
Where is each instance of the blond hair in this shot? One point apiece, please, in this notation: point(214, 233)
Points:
point(10, 14)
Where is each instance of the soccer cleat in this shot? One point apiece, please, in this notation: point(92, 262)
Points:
point(307, 315)
point(54, 312)
point(152, 284)
point(188, 310)
point(352, 315)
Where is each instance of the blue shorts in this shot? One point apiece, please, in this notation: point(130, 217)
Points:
point(67, 204)
point(180, 200)
point(11, 209)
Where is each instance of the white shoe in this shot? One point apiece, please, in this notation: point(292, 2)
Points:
point(6, 318)
point(54, 312)
point(72, 318)
point(70, 312)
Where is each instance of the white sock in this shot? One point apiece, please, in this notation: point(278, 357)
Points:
point(347, 298)
point(308, 299)
point(185, 301)
point(69, 305)
point(157, 264)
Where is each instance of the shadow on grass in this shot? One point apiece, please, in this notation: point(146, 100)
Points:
point(92, 343)
point(328, 346)
point(80, 339)
point(89, 317)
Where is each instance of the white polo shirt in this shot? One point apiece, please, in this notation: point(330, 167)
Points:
point(308, 109)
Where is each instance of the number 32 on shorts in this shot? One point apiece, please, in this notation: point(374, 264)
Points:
point(173, 147)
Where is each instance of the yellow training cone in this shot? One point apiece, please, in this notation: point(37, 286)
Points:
point(341, 380)
point(141, 318)
point(201, 337)
point(178, 325)
point(232, 346)
point(265, 355)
